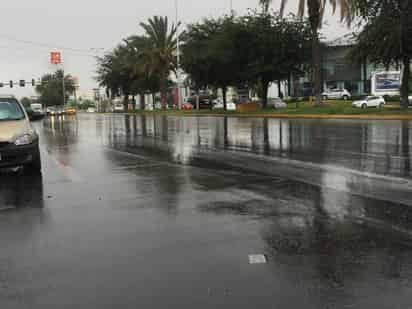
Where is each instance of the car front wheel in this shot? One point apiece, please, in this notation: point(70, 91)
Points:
point(381, 105)
point(345, 97)
point(364, 106)
point(35, 165)
point(325, 97)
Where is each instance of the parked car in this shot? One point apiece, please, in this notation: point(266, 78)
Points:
point(370, 101)
point(91, 110)
point(187, 106)
point(230, 106)
point(277, 103)
point(336, 94)
point(118, 108)
point(205, 101)
point(19, 142)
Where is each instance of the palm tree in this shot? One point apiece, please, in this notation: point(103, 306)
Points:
point(146, 78)
point(316, 10)
point(161, 54)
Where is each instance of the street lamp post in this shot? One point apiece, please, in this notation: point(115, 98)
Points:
point(179, 101)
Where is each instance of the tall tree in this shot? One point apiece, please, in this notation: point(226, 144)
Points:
point(277, 47)
point(213, 53)
point(386, 37)
point(161, 54)
point(258, 48)
point(51, 88)
point(315, 11)
point(145, 78)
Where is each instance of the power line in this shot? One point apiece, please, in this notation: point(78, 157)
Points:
point(86, 52)
point(27, 50)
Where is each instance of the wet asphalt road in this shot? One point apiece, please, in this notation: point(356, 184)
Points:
point(143, 212)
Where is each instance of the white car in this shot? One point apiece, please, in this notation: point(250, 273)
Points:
point(230, 106)
point(336, 94)
point(91, 110)
point(370, 101)
point(277, 103)
point(118, 108)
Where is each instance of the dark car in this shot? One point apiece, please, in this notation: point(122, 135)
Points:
point(19, 142)
point(205, 102)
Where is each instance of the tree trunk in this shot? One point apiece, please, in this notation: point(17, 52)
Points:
point(405, 51)
point(163, 91)
point(289, 85)
point(316, 67)
point(197, 100)
point(126, 102)
point(265, 89)
point(405, 82)
point(224, 92)
point(280, 94)
point(365, 77)
point(142, 102)
point(134, 102)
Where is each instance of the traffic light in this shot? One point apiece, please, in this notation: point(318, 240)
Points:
point(1, 85)
point(33, 82)
point(22, 83)
point(11, 84)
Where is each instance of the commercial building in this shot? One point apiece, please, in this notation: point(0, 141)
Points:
point(338, 70)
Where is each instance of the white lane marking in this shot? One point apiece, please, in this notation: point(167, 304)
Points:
point(257, 259)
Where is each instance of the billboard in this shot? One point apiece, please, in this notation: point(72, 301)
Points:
point(55, 58)
point(390, 81)
point(386, 83)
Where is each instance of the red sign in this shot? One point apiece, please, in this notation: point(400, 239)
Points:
point(55, 58)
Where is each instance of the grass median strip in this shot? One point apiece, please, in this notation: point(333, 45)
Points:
point(329, 110)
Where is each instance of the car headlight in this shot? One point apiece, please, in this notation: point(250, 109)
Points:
point(25, 139)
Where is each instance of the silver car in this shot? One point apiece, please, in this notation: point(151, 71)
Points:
point(19, 142)
point(340, 94)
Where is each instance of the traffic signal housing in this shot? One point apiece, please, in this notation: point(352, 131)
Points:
point(11, 84)
point(22, 83)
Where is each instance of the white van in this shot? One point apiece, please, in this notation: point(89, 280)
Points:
point(118, 107)
point(37, 108)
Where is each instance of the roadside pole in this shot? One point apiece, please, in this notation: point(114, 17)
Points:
point(179, 97)
point(64, 88)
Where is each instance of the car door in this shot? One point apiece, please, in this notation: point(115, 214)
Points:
point(373, 102)
point(333, 94)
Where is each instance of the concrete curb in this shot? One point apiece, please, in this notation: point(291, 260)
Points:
point(276, 116)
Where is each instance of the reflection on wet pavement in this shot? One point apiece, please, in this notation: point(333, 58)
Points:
point(163, 212)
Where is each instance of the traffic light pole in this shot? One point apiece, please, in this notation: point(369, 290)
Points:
point(64, 89)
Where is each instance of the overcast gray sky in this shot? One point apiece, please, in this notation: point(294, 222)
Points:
point(76, 27)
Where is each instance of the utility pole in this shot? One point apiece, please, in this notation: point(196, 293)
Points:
point(179, 101)
point(231, 7)
point(64, 88)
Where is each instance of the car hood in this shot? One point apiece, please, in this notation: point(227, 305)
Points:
point(358, 102)
point(10, 130)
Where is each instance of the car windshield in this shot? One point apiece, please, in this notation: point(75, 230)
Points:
point(10, 110)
